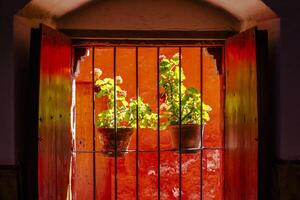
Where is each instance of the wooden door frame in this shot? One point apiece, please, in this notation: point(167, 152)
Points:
point(89, 36)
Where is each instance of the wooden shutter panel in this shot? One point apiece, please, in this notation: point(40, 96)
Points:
point(241, 117)
point(54, 115)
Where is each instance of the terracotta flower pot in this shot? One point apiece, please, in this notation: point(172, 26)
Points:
point(107, 140)
point(191, 137)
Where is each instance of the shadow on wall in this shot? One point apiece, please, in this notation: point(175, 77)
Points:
point(149, 15)
point(288, 180)
point(9, 183)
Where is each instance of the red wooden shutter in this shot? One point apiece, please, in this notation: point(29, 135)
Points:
point(241, 117)
point(54, 115)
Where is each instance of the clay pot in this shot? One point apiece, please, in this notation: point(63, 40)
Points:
point(107, 140)
point(190, 135)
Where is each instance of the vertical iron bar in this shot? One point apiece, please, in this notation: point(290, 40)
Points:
point(137, 123)
point(223, 88)
point(180, 135)
point(201, 123)
point(158, 127)
point(94, 144)
point(115, 123)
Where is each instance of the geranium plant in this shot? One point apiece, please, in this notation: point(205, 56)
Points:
point(193, 109)
point(126, 111)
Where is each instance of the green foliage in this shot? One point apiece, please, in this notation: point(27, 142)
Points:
point(126, 112)
point(171, 82)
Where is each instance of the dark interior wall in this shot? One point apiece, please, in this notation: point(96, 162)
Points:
point(21, 45)
point(288, 109)
point(9, 174)
point(26, 101)
point(6, 85)
point(7, 81)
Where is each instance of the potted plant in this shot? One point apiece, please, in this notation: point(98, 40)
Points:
point(193, 109)
point(126, 113)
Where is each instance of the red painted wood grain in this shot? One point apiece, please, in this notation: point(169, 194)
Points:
point(241, 128)
point(54, 147)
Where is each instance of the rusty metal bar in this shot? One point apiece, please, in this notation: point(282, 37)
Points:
point(150, 151)
point(137, 122)
point(115, 126)
point(94, 144)
point(180, 133)
point(158, 127)
point(201, 124)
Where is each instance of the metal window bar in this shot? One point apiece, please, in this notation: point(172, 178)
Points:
point(115, 126)
point(201, 123)
point(158, 125)
point(151, 151)
point(93, 118)
point(137, 123)
point(180, 133)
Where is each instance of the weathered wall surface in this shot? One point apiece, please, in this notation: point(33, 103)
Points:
point(149, 15)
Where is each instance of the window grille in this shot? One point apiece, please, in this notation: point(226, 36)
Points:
point(152, 169)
